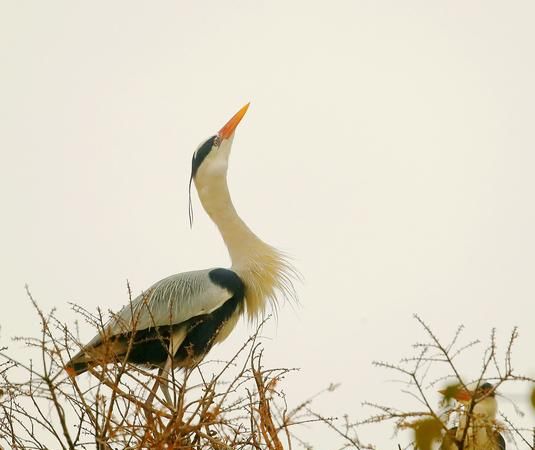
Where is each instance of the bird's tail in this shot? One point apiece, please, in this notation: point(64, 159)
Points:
point(101, 352)
point(77, 365)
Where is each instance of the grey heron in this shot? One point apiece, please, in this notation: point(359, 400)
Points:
point(476, 429)
point(178, 319)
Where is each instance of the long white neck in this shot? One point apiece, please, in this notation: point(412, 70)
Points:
point(263, 269)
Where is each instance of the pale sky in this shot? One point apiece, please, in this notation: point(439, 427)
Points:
point(389, 148)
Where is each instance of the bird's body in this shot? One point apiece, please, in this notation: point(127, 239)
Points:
point(484, 439)
point(476, 429)
point(178, 319)
point(196, 303)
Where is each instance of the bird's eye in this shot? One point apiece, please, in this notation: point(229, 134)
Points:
point(217, 141)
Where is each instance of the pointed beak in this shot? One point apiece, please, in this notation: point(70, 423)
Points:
point(231, 125)
point(461, 395)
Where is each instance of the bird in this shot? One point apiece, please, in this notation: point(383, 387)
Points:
point(175, 322)
point(479, 409)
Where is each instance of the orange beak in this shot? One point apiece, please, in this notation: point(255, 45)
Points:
point(461, 395)
point(231, 125)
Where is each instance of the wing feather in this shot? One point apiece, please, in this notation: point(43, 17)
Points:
point(170, 301)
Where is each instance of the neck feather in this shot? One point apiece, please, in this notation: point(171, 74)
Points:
point(486, 408)
point(265, 271)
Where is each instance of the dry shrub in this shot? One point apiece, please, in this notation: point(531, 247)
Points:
point(435, 365)
point(217, 405)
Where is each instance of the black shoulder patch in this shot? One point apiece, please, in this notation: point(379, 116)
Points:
point(229, 280)
point(501, 441)
point(200, 155)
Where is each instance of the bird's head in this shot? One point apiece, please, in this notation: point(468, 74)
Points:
point(470, 392)
point(484, 397)
point(210, 161)
point(211, 157)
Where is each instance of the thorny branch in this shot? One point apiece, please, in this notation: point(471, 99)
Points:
point(432, 424)
point(235, 405)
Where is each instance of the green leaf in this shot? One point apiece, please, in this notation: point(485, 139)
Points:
point(449, 393)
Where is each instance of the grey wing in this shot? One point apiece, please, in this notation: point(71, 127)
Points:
point(170, 301)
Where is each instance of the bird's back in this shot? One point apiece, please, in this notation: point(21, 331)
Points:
point(200, 302)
